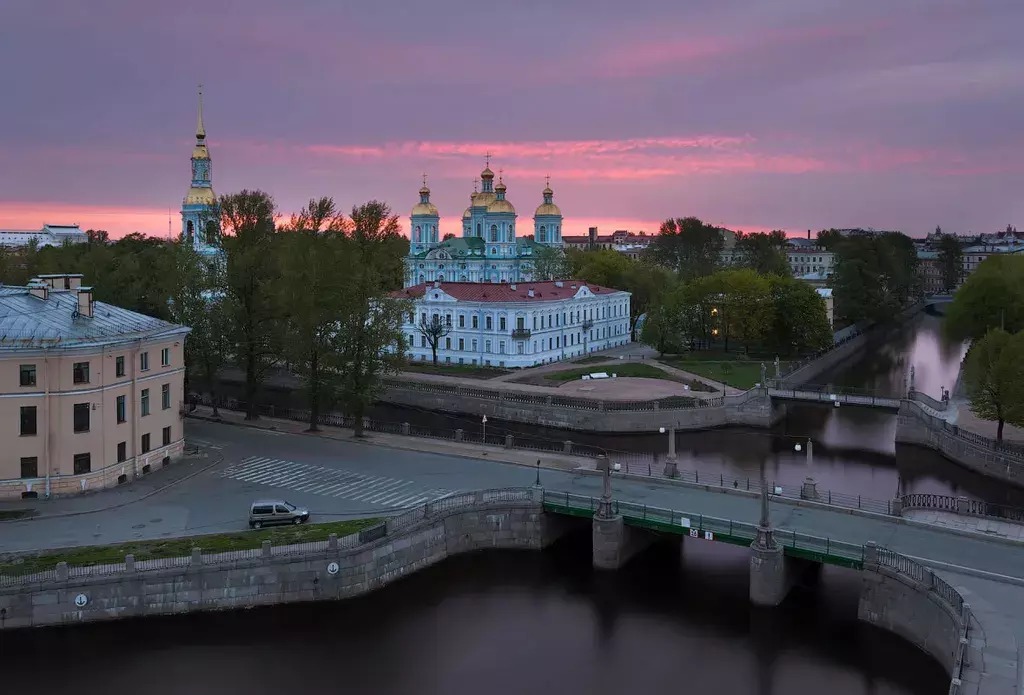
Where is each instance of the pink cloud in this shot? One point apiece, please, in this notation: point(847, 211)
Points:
point(118, 220)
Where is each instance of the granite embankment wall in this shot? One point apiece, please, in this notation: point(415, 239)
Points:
point(355, 565)
point(917, 424)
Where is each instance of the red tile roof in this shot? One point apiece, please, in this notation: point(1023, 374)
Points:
point(503, 292)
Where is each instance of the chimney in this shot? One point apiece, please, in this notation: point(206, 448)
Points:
point(808, 235)
point(38, 288)
point(73, 281)
point(530, 293)
point(592, 234)
point(85, 302)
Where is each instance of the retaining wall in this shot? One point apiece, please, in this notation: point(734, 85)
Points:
point(256, 581)
point(915, 425)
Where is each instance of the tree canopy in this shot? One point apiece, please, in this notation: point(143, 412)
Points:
point(991, 297)
point(688, 246)
point(994, 378)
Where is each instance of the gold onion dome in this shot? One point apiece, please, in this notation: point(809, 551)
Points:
point(548, 209)
point(487, 173)
point(200, 196)
point(467, 214)
point(501, 206)
point(424, 209)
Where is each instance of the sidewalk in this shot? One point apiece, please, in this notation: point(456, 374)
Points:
point(959, 413)
point(991, 527)
point(519, 457)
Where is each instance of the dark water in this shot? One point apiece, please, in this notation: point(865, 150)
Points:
point(502, 623)
point(854, 448)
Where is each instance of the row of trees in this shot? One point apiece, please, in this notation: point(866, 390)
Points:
point(761, 312)
point(312, 294)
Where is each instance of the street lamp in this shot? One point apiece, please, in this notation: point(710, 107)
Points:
point(765, 535)
point(483, 421)
point(671, 469)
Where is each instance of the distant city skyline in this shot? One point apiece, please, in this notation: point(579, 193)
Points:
point(794, 115)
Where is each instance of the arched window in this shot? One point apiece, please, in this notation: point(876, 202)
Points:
point(422, 279)
point(494, 232)
point(478, 232)
point(418, 235)
point(211, 233)
point(542, 234)
point(190, 230)
point(440, 277)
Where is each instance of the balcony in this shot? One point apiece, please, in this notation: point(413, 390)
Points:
point(521, 334)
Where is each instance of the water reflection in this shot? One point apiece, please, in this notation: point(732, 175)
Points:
point(501, 623)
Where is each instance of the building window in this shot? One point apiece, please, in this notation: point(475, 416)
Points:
point(462, 320)
point(145, 443)
point(28, 421)
point(520, 322)
point(122, 452)
point(28, 375)
point(80, 372)
point(448, 320)
point(423, 341)
point(143, 361)
point(165, 357)
point(145, 402)
point(167, 435)
point(119, 365)
point(29, 467)
point(494, 234)
point(487, 346)
point(447, 343)
point(534, 323)
point(462, 344)
point(487, 323)
point(474, 344)
point(501, 323)
point(122, 411)
point(501, 347)
point(83, 463)
point(81, 417)
point(165, 396)
point(476, 322)
point(542, 234)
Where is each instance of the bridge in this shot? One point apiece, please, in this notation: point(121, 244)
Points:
point(836, 397)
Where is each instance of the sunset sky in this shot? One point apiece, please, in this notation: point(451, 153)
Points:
point(752, 114)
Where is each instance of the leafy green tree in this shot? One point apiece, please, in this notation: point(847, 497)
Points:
point(746, 306)
point(663, 327)
point(829, 239)
point(604, 267)
point(764, 253)
point(196, 300)
point(994, 377)
point(799, 322)
point(688, 246)
point(951, 261)
point(646, 283)
point(992, 296)
point(549, 263)
point(374, 340)
point(251, 285)
point(314, 274)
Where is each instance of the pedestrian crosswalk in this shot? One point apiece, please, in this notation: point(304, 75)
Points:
point(333, 482)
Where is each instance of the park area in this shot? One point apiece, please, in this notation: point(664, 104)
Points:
point(733, 369)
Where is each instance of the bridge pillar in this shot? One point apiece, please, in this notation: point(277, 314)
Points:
point(769, 583)
point(614, 543)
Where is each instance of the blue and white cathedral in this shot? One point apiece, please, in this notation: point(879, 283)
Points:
point(200, 219)
point(489, 250)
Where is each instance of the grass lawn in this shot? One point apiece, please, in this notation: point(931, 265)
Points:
point(591, 359)
point(471, 371)
point(740, 373)
point(634, 369)
point(181, 547)
point(6, 514)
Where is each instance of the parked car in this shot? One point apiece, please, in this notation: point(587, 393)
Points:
point(265, 512)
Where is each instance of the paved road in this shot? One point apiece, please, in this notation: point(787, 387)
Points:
point(335, 479)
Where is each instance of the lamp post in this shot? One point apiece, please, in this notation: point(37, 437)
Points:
point(483, 421)
point(604, 507)
point(671, 469)
point(765, 534)
point(537, 481)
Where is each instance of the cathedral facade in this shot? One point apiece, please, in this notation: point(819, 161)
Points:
point(489, 250)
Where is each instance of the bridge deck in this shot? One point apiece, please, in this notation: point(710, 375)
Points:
point(812, 396)
point(816, 548)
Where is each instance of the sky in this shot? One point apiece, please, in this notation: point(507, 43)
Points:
point(754, 115)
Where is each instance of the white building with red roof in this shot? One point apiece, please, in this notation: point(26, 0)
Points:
point(513, 324)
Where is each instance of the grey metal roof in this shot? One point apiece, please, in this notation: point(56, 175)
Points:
point(30, 322)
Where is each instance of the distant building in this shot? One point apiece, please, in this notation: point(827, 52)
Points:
point(620, 240)
point(826, 294)
point(49, 235)
point(515, 324)
point(929, 271)
point(804, 260)
point(90, 393)
point(200, 221)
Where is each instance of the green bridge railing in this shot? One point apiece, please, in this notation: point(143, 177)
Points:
point(815, 548)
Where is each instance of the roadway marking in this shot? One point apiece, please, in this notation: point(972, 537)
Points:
point(333, 482)
point(203, 442)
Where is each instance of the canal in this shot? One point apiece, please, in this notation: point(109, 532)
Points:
point(854, 449)
point(502, 623)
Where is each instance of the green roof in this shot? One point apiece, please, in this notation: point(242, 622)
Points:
point(462, 247)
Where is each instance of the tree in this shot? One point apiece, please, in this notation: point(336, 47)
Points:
point(251, 285)
point(374, 341)
point(646, 283)
point(603, 267)
point(875, 277)
point(829, 239)
point(799, 322)
point(991, 297)
point(448, 236)
point(746, 308)
point(688, 246)
point(549, 263)
point(951, 261)
point(663, 327)
point(432, 331)
point(314, 274)
point(196, 301)
point(764, 253)
point(994, 377)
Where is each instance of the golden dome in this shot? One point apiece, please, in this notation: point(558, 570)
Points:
point(501, 206)
point(501, 187)
point(483, 199)
point(200, 196)
point(467, 214)
point(200, 151)
point(424, 209)
point(487, 173)
point(547, 191)
point(547, 209)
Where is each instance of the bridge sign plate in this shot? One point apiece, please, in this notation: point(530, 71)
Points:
point(332, 568)
point(693, 533)
point(708, 536)
point(684, 522)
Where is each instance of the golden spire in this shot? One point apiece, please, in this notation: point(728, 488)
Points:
point(200, 130)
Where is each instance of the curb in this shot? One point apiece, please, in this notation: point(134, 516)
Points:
point(976, 535)
point(168, 486)
point(575, 465)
